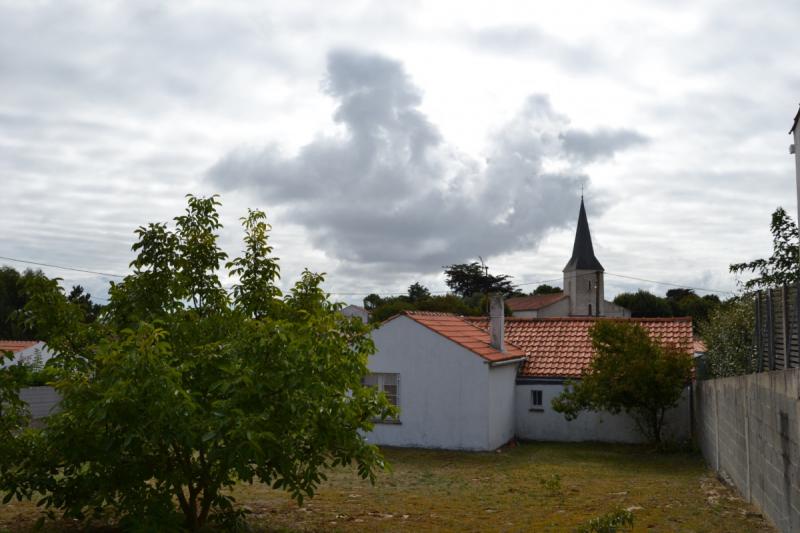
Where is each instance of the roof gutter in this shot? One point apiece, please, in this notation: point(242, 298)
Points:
point(506, 362)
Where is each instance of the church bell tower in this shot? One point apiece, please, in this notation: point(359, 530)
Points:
point(583, 275)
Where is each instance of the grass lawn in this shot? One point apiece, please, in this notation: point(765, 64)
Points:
point(533, 487)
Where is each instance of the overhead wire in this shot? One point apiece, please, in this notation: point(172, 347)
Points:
point(390, 293)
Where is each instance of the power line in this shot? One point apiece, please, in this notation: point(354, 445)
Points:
point(396, 293)
point(106, 274)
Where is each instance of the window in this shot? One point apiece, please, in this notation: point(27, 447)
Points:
point(536, 399)
point(389, 384)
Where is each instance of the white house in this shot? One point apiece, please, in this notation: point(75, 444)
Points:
point(26, 352)
point(454, 387)
point(357, 311)
point(41, 400)
point(475, 383)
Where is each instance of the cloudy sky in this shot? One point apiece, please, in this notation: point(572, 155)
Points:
point(387, 139)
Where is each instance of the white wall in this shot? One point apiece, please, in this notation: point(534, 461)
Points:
point(445, 392)
point(548, 425)
point(38, 351)
point(501, 404)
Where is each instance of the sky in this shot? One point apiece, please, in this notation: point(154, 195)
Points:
point(385, 140)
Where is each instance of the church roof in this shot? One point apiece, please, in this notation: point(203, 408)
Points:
point(534, 302)
point(582, 251)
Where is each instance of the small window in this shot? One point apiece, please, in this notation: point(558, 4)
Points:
point(389, 384)
point(536, 398)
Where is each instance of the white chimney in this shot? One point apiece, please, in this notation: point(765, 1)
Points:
point(497, 320)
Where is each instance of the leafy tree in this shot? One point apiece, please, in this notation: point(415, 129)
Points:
point(12, 299)
point(546, 289)
point(445, 303)
point(782, 266)
point(466, 279)
point(79, 296)
point(417, 292)
point(644, 304)
point(372, 301)
point(184, 389)
point(684, 302)
point(631, 372)
point(728, 336)
point(14, 415)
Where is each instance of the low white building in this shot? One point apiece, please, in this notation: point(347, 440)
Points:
point(26, 352)
point(476, 383)
point(456, 389)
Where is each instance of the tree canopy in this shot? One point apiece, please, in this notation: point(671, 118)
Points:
point(184, 388)
point(728, 336)
point(468, 279)
point(783, 266)
point(630, 372)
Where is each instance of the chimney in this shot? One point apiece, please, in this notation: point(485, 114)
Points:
point(497, 320)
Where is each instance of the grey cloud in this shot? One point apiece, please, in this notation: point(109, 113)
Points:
point(391, 192)
point(532, 41)
point(600, 144)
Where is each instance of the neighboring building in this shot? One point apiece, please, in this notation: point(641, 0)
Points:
point(454, 389)
point(27, 352)
point(558, 349)
point(583, 293)
point(357, 311)
point(42, 400)
point(459, 389)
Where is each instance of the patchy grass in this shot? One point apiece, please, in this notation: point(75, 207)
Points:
point(533, 487)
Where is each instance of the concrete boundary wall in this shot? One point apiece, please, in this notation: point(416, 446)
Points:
point(748, 428)
point(42, 401)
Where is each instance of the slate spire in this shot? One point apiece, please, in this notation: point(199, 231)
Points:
point(582, 251)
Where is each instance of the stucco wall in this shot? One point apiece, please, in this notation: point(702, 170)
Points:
point(442, 389)
point(748, 427)
point(501, 404)
point(548, 425)
point(445, 392)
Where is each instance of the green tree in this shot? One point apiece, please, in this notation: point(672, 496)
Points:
point(630, 372)
point(372, 301)
point(782, 266)
point(728, 336)
point(644, 304)
point(417, 292)
point(185, 389)
point(685, 302)
point(14, 416)
point(467, 279)
point(79, 296)
point(12, 299)
point(546, 289)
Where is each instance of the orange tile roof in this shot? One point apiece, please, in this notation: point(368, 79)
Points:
point(561, 347)
point(15, 346)
point(534, 302)
point(460, 331)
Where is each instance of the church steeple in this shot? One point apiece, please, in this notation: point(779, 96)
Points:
point(582, 251)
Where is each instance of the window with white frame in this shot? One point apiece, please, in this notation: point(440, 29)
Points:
point(536, 399)
point(387, 383)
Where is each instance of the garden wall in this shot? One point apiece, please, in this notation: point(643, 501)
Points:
point(41, 401)
point(747, 428)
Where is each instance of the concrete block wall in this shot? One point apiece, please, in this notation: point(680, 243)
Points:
point(42, 401)
point(748, 428)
